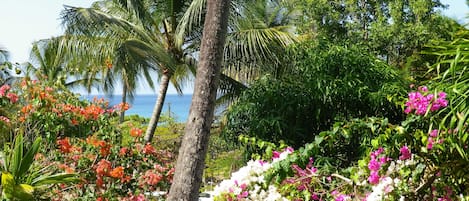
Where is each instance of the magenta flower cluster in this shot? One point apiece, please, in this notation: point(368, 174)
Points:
point(419, 101)
point(375, 165)
point(405, 153)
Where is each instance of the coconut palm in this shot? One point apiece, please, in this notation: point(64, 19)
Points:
point(49, 63)
point(179, 26)
point(258, 33)
point(136, 47)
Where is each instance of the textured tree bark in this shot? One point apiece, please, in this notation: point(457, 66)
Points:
point(191, 159)
point(155, 116)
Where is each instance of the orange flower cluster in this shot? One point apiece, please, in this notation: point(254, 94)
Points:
point(105, 148)
point(136, 132)
point(151, 178)
point(121, 107)
point(117, 172)
point(92, 112)
point(103, 168)
point(64, 145)
point(67, 168)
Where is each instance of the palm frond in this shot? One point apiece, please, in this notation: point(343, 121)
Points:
point(229, 90)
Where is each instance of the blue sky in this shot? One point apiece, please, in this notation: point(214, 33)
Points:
point(25, 21)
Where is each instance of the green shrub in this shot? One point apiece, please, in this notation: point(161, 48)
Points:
point(324, 83)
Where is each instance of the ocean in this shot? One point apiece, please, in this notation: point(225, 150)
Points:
point(143, 104)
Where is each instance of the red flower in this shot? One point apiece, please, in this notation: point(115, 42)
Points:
point(105, 148)
point(148, 149)
point(13, 97)
point(121, 107)
point(151, 178)
point(4, 89)
point(64, 145)
point(123, 151)
point(92, 112)
point(74, 122)
point(126, 179)
point(103, 168)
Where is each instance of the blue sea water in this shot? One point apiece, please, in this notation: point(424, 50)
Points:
point(143, 104)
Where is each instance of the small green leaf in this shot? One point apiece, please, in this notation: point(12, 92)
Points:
point(318, 139)
point(375, 143)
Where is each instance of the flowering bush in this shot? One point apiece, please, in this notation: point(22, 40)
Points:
point(42, 110)
point(85, 139)
point(110, 170)
point(248, 183)
point(412, 160)
point(421, 101)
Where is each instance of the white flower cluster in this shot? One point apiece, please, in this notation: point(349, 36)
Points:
point(385, 186)
point(249, 181)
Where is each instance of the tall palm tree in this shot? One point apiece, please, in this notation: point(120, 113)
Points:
point(258, 33)
point(138, 46)
point(50, 63)
point(190, 163)
point(172, 25)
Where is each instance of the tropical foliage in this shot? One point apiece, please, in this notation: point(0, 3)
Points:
point(325, 83)
point(328, 100)
point(21, 177)
point(410, 160)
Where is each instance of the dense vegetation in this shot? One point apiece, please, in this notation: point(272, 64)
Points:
point(327, 100)
point(324, 83)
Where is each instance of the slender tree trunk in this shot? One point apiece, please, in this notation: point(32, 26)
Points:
point(124, 100)
point(155, 116)
point(191, 159)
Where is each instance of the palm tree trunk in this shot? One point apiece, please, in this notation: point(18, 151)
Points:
point(191, 160)
point(158, 107)
point(124, 100)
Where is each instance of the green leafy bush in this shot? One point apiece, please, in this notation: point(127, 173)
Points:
point(324, 83)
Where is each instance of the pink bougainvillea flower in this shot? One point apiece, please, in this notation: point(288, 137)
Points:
point(430, 143)
point(405, 153)
point(5, 119)
point(374, 165)
point(374, 178)
point(275, 154)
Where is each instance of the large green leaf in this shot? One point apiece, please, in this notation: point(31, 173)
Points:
point(55, 179)
point(28, 158)
point(16, 156)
